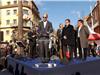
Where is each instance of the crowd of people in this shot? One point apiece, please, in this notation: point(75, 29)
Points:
point(69, 42)
point(6, 48)
point(74, 42)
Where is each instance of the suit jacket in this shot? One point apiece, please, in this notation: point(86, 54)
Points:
point(70, 35)
point(44, 32)
point(84, 34)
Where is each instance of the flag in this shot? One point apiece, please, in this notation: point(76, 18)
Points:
point(93, 37)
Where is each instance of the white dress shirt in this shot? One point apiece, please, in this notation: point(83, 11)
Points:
point(45, 23)
point(79, 31)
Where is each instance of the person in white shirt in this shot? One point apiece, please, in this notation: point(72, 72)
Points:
point(83, 34)
point(44, 30)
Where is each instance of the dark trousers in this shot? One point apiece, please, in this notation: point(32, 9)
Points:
point(70, 49)
point(79, 48)
point(44, 49)
point(85, 52)
point(59, 44)
point(32, 51)
point(75, 52)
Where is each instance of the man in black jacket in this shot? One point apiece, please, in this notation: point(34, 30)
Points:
point(32, 43)
point(68, 35)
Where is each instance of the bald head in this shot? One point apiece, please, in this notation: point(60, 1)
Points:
point(45, 17)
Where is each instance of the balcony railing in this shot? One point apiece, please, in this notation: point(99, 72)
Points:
point(8, 6)
point(16, 5)
point(13, 5)
point(14, 27)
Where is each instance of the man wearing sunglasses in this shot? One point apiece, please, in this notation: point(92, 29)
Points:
point(45, 28)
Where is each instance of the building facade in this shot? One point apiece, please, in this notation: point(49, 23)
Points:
point(9, 17)
point(95, 16)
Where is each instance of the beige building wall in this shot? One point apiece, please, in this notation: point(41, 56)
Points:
point(7, 18)
point(7, 34)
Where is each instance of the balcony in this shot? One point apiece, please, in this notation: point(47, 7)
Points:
point(8, 6)
point(16, 5)
point(13, 5)
point(27, 27)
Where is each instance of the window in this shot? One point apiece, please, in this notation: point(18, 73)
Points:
point(7, 22)
point(15, 2)
point(8, 3)
point(15, 11)
point(0, 2)
point(25, 11)
point(7, 32)
point(8, 12)
point(14, 21)
point(25, 2)
point(0, 22)
point(1, 35)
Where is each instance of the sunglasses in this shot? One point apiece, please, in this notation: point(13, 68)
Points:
point(44, 17)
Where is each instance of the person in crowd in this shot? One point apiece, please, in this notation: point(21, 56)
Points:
point(59, 40)
point(11, 47)
point(92, 48)
point(3, 55)
point(82, 39)
point(45, 28)
point(68, 39)
point(59, 34)
point(32, 43)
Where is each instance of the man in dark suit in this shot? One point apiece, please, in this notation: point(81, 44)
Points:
point(68, 38)
point(45, 28)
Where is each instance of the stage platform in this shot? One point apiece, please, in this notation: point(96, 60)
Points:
point(28, 66)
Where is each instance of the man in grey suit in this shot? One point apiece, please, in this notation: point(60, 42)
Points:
point(82, 34)
point(45, 28)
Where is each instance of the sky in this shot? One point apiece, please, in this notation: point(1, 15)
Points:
point(59, 10)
